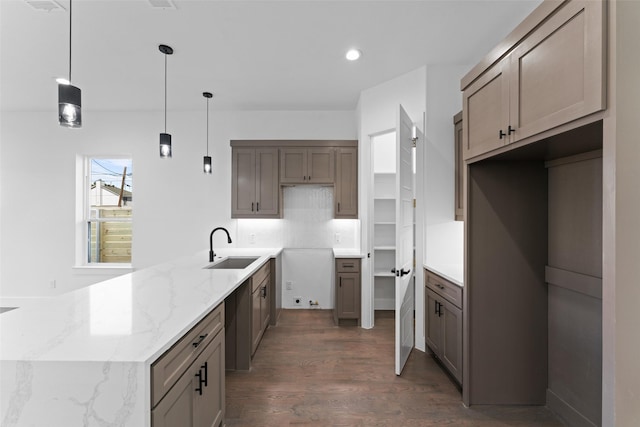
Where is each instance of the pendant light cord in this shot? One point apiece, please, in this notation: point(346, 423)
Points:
point(207, 126)
point(70, 15)
point(165, 93)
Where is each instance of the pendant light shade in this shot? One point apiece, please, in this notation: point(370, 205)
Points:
point(165, 138)
point(207, 167)
point(69, 106)
point(207, 164)
point(69, 96)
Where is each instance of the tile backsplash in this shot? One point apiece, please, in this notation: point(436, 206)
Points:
point(307, 223)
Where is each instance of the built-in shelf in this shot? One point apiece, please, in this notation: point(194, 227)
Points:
point(384, 240)
point(386, 273)
point(384, 248)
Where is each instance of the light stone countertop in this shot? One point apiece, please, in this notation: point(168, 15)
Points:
point(452, 272)
point(348, 253)
point(83, 358)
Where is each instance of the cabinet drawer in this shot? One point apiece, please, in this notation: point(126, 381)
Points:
point(444, 288)
point(258, 278)
point(347, 265)
point(173, 363)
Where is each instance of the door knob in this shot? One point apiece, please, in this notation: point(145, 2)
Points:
point(403, 272)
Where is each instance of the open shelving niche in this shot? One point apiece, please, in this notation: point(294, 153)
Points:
point(384, 240)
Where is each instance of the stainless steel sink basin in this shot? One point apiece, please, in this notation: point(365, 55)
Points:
point(232, 263)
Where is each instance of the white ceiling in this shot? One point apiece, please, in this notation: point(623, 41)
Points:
point(253, 55)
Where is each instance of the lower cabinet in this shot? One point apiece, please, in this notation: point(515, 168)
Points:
point(197, 396)
point(347, 304)
point(443, 322)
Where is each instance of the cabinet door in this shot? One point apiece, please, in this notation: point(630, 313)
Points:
point(321, 166)
point(267, 188)
point(210, 405)
point(346, 188)
point(485, 111)
point(558, 71)
point(256, 320)
point(451, 355)
point(293, 166)
point(459, 167)
point(433, 327)
point(243, 182)
point(348, 296)
point(178, 407)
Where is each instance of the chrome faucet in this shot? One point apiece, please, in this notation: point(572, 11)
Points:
point(212, 254)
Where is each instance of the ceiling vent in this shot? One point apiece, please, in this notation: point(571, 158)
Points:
point(162, 4)
point(45, 5)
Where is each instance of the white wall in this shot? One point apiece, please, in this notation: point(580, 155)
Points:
point(377, 112)
point(176, 205)
point(444, 236)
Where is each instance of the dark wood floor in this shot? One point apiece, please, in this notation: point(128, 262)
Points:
point(308, 372)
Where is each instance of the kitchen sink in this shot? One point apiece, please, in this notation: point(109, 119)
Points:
point(232, 263)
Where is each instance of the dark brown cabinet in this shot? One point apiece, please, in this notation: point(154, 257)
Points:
point(346, 188)
point(188, 381)
point(443, 322)
point(347, 303)
point(307, 165)
point(254, 183)
point(459, 167)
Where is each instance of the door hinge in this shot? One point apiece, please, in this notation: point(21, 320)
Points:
point(414, 203)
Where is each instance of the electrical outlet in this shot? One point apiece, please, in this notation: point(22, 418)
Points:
point(289, 285)
point(52, 284)
point(337, 237)
point(252, 238)
point(297, 300)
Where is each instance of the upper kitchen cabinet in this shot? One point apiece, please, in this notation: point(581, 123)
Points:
point(307, 165)
point(538, 80)
point(346, 188)
point(254, 183)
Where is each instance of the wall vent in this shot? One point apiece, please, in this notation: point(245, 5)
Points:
point(45, 5)
point(162, 4)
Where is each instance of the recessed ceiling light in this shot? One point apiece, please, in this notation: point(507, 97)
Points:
point(353, 54)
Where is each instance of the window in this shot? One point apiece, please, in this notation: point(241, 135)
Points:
point(107, 210)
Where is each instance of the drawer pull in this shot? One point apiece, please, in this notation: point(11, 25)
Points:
point(348, 265)
point(197, 343)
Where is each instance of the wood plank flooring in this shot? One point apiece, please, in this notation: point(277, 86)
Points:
point(308, 372)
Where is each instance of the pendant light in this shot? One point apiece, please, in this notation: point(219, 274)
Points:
point(165, 138)
point(69, 96)
point(207, 159)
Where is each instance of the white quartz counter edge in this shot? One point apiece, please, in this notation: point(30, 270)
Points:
point(452, 272)
point(131, 318)
point(347, 253)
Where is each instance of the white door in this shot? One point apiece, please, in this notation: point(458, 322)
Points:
point(405, 299)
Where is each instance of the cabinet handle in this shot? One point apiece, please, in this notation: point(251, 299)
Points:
point(257, 206)
point(309, 177)
point(251, 206)
point(439, 310)
point(264, 292)
point(511, 130)
point(435, 306)
point(338, 206)
point(340, 281)
point(201, 338)
point(501, 134)
point(304, 178)
point(205, 367)
point(199, 388)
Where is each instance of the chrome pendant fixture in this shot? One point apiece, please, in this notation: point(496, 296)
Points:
point(207, 159)
point(165, 138)
point(69, 96)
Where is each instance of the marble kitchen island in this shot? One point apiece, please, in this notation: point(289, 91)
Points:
point(84, 358)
